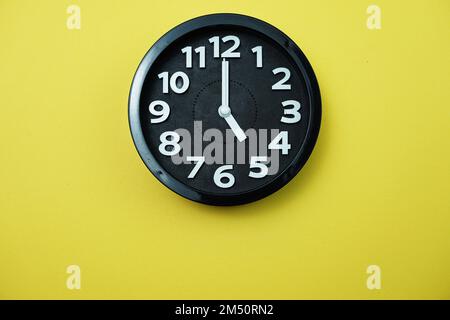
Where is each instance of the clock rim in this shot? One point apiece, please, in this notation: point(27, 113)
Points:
point(300, 60)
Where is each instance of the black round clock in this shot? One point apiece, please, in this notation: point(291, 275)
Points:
point(224, 109)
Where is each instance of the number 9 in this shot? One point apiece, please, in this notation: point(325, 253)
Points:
point(162, 113)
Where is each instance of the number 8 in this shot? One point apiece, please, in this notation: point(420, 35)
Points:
point(173, 142)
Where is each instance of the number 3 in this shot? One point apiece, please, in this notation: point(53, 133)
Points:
point(294, 111)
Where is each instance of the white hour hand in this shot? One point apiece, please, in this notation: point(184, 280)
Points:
point(234, 126)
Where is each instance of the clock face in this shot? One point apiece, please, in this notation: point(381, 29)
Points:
point(224, 109)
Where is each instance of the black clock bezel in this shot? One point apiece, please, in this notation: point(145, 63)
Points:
point(300, 60)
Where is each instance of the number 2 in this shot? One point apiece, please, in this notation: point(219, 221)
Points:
point(281, 85)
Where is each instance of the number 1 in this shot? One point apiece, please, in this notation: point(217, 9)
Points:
point(258, 51)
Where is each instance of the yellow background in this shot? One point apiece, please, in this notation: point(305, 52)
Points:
point(73, 189)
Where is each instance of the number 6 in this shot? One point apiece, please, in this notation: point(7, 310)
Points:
point(220, 174)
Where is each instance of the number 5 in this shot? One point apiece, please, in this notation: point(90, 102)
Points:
point(255, 162)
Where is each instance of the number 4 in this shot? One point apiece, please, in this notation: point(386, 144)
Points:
point(284, 146)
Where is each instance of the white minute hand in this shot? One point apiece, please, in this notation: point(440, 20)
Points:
point(224, 109)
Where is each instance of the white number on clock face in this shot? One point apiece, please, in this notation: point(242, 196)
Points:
point(282, 85)
point(229, 53)
point(221, 175)
point(258, 163)
point(178, 77)
point(162, 112)
point(172, 142)
point(198, 165)
point(258, 51)
point(201, 56)
point(293, 112)
point(280, 142)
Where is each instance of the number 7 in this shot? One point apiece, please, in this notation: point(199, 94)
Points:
point(198, 165)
